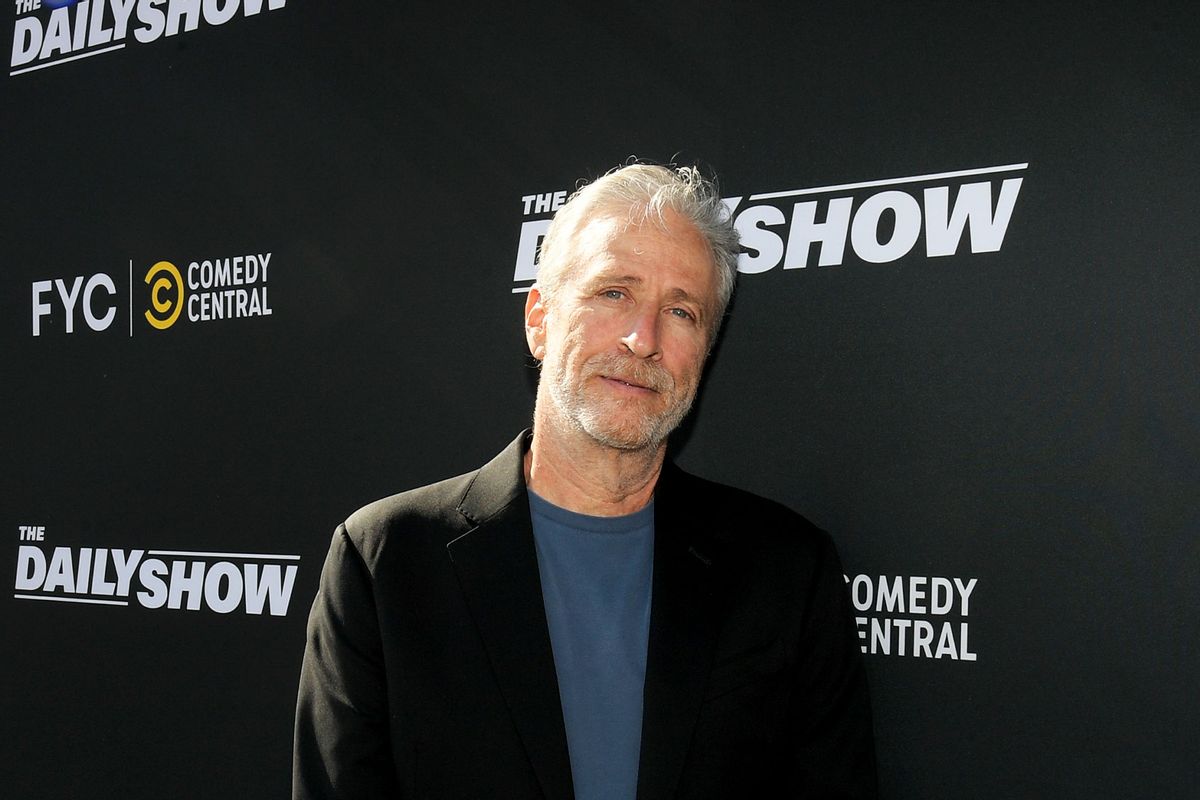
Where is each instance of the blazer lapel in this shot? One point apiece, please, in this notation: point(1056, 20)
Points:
point(496, 564)
point(684, 623)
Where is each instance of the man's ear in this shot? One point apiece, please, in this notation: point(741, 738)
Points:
point(535, 323)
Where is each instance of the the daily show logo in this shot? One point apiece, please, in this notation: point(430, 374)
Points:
point(932, 215)
point(49, 33)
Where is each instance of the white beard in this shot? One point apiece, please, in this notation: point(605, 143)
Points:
point(608, 420)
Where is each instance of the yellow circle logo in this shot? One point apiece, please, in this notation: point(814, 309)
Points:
point(168, 311)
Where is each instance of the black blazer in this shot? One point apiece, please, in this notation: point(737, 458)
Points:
point(429, 673)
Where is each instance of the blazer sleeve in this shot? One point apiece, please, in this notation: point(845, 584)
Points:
point(342, 744)
point(831, 727)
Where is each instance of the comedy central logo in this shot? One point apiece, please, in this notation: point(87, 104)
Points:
point(917, 616)
point(168, 292)
point(166, 295)
point(210, 290)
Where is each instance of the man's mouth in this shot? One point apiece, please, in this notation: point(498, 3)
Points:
point(627, 382)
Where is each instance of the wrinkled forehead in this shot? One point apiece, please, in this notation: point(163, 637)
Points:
point(629, 230)
point(624, 216)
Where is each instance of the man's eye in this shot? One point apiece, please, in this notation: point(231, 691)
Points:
point(613, 294)
point(683, 313)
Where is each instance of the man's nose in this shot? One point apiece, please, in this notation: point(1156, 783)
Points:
point(642, 337)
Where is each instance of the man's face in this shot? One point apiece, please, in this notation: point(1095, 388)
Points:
point(624, 337)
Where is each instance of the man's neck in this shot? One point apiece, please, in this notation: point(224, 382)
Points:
point(575, 472)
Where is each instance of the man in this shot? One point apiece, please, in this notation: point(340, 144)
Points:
point(580, 618)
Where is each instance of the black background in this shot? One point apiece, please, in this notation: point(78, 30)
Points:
point(1026, 417)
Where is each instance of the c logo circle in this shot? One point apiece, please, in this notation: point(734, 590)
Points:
point(156, 299)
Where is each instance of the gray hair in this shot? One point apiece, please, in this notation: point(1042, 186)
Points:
point(647, 191)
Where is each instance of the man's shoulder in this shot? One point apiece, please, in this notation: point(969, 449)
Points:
point(779, 569)
point(736, 498)
point(725, 501)
point(749, 522)
point(420, 519)
point(430, 504)
point(430, 516)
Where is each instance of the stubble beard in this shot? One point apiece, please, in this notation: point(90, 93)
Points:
point(609, 421)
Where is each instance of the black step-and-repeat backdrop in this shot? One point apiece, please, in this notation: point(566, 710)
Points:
point(264, 261)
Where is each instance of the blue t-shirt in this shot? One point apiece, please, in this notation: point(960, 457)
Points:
point(596, 576)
